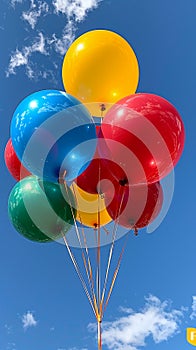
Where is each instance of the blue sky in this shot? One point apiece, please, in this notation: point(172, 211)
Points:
point(42, 304)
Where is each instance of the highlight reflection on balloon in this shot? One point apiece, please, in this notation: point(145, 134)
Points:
point(100, 66)
point(39, 210)
point(134, 206)
point(53, 134)
point(143, 133)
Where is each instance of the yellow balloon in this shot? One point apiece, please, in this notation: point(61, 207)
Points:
point(91, 210)
point(100, 68)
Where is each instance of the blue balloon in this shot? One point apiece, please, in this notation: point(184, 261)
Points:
point(53, 135)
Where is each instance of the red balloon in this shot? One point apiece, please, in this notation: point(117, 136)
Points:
point(16, 169)
point(134, 206)
point(99, 171)
point(144, 134)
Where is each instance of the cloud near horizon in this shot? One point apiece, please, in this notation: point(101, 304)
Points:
point(130, 332)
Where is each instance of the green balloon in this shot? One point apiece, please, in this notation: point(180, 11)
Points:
point(41, 210)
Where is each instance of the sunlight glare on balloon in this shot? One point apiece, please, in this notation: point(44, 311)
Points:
point(80, 47)
point(33, 104)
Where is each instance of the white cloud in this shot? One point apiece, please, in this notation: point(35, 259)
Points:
point(126, 310)
point(35, 11)
point(17, 59)
point(21, 57)
point(61, 44)
point(39, 45)
point(193, 307)
point(28, 320)
point(75, 11)
point(14, 2)
point(131, 331)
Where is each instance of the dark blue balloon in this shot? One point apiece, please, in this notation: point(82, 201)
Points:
point(53, 135)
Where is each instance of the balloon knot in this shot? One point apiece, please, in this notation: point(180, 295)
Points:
point(135, 231)
point(102, 107)
point(99, 318)
point(123, 182)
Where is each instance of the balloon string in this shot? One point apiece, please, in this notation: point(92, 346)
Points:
point(111, 249)
point(75, 223)
point(89, 274)
point(87, 267)
point(99, 259)
point(99, 335)
point(115, 273)
point(77, 230)
point(99, 251)
point(78, 272)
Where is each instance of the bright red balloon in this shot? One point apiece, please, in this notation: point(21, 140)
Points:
point(134, 206)
point(16, 169)
point(144, 134)
point(98, 172)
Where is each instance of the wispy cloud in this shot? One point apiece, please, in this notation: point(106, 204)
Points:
point(28, 320)
point(14, 2)
point(22, 57)
point(8, 328)
point(193, 307)
point(62, 43)
point(129, 332)
point(48, 44)
point(76, 9)
point(11, 346)
point(35, 11)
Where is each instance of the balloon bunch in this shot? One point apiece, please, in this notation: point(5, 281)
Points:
point(73, 171)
